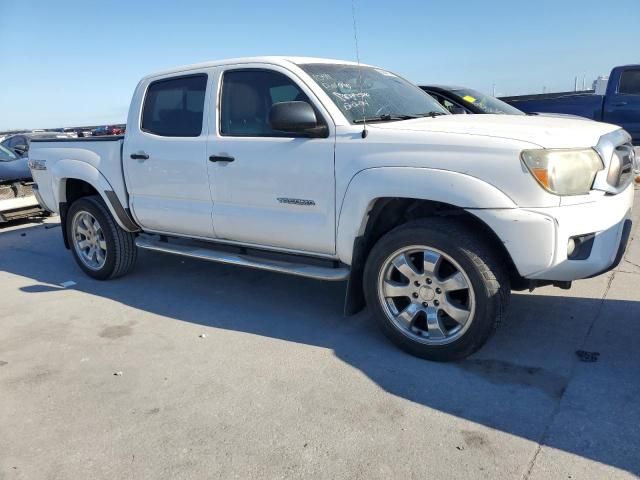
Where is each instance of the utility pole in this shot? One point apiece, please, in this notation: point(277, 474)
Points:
point(575, 84)
point(493, 90)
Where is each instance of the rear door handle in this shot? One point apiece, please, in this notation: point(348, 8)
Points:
point(139, 156)
point(221, 158)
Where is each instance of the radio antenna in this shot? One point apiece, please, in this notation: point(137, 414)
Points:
point(355, 37)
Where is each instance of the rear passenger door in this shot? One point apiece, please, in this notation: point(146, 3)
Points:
point(164, 156)
point(623, 107)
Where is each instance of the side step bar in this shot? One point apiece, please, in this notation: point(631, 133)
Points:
point(212, 255)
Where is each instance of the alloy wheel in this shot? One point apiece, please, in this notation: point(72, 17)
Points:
point(89, 241)
point(426, 295)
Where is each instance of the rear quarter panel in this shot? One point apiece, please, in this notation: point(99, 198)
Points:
point(97, 162)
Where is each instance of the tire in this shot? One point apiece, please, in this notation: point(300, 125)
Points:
point(117, 249)
point(453, 274)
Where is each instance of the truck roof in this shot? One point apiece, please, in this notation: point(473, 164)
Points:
point(276, 60)
point(447, 88)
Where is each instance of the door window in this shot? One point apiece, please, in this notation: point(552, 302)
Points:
point(247, 97)
point(20, 142)
point(17, 142)
point(630, 82)
point(174, 107)
point(446, 103)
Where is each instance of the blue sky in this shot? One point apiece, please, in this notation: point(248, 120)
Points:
point(77, 62)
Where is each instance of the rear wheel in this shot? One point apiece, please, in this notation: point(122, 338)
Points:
point(437, 289)
point(100, 247)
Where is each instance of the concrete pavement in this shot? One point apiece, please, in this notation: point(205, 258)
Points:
point(236, 373)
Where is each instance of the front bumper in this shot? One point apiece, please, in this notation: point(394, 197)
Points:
point(537, 238)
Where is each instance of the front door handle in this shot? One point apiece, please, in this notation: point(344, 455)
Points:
point(139, 156)
point(221, 158)
point(620, 104)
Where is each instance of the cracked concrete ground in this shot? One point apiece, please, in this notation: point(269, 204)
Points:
point(235, 373)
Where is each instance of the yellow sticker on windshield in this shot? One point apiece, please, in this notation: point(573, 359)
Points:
point(469, 98)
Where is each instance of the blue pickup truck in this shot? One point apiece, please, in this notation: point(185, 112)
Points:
point(620, 103)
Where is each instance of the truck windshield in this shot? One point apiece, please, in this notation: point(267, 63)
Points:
point(372, 93)
point(486, 103)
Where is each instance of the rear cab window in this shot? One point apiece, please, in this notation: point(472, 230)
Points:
point(174, 107)
point(630, 82)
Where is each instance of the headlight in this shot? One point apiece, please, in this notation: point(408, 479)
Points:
point(564, 172)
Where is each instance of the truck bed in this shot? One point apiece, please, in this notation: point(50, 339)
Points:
point(99, 157)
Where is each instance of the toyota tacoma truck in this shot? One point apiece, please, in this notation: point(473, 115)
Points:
point(339, 171)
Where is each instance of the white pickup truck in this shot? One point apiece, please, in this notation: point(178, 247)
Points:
point(337, 171)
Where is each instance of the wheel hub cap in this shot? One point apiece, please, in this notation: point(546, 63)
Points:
point(427, 293)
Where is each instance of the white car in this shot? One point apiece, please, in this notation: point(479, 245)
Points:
point(336, 171)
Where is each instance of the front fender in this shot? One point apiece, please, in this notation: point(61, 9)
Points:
point(452, 188)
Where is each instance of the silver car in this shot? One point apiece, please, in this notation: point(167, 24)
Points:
point(19, 142)
point(12, 166)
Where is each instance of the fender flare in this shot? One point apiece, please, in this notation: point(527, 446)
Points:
point(368, 185)
point(68, 169)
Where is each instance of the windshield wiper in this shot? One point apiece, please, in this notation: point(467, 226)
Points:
point(385, 117)
point(430, 114)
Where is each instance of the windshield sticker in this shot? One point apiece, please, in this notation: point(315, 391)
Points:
point(469, 98)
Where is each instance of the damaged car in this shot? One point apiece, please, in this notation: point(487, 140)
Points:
point(17, 198)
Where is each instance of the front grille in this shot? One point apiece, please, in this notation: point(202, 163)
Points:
point(622, 165)
point(16, 190)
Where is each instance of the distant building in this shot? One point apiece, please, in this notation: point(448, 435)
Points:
point(600, 84)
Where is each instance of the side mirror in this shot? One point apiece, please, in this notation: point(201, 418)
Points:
point(21, 149)
point(296, 117)
point(458, 110)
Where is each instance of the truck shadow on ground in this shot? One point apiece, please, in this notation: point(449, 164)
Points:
point(518, 383)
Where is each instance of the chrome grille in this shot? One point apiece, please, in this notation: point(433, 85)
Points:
point(621, 168)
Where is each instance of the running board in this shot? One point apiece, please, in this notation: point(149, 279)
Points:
point(229, 258)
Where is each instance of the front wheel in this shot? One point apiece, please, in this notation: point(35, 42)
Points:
point(100, 247)
point(437, 289)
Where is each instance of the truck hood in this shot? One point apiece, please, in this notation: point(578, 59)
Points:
point(546, 132)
